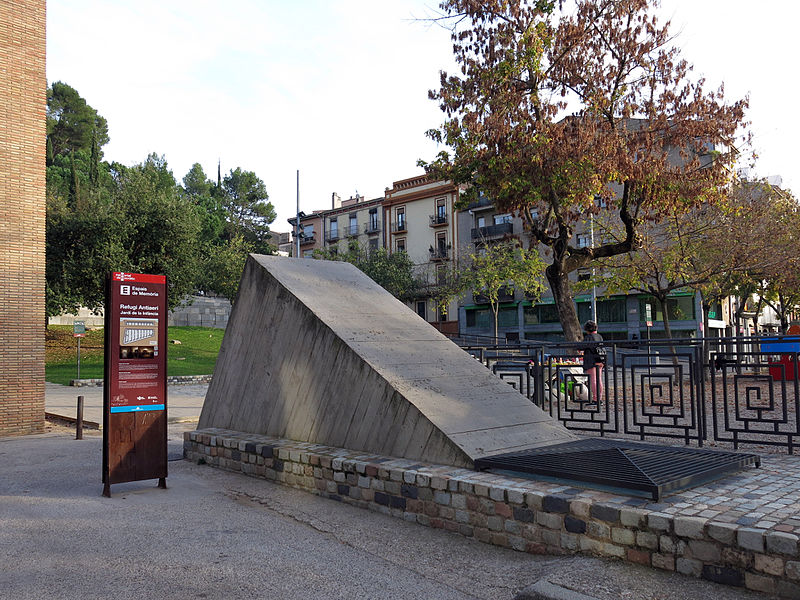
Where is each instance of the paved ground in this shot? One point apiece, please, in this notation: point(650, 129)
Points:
point(184, 402)
point(767, 498)
point(214, 534)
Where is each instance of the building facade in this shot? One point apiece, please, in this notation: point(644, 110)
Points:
point(353, 221)
point(421, 217)
point(22, 215)
point(619, 316)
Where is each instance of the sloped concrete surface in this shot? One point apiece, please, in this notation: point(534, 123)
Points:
point(316, 351)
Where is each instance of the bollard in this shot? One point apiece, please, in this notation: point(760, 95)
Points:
point(79, 420)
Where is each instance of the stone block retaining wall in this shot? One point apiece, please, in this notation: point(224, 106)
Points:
point(171, 380)
point(512, 513)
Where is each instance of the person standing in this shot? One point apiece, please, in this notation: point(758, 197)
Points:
point(594, 359)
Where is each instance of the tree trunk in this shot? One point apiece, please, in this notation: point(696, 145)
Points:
point(662, 301)
point(706, 345)
point(495, 311)
point(567, 313)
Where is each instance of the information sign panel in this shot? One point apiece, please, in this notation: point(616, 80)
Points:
point(79, 329)
point(135, 390)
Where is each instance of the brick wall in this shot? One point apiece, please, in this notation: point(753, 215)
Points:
point(23, 86)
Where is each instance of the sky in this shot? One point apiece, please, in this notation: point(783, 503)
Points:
point(338, 89)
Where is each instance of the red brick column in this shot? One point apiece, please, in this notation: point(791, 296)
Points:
point(23, 86)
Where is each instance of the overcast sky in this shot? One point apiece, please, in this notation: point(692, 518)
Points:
point(338, 88)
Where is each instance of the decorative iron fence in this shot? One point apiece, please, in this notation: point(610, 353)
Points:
point(737, 391)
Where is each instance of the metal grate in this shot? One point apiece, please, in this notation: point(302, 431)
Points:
point(623, 466)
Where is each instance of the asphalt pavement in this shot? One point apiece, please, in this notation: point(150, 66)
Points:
point(184, 402)
point(214, 534)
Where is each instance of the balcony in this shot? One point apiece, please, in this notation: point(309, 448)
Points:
point(439, 254)
point(483, 203)
point(438, 220)
point(306, 239)
point(400, 227)
point(351, 231)
point(332, 237)
point(492, 231)
point(371, 228)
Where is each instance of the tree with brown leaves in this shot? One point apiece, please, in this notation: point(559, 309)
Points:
point(558, 116)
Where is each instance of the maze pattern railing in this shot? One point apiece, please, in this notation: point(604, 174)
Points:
point(697, 391)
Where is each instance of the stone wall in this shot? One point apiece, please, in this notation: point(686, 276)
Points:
point(22, 215)
point(202, 312)
point(511, 513)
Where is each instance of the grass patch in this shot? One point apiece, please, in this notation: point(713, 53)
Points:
point(195, 355)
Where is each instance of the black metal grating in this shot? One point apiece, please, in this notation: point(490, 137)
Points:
point(624, 466)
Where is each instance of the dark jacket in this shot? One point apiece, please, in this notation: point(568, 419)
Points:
point(591, 356)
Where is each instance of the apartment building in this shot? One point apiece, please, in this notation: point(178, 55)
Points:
point(309, 232)
point(353, 221)
point(420, 213)
point(619, 316)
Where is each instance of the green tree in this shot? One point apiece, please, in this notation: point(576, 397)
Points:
point(393, 272)
point(159, 226)
point(222, 267)
point(83, 244)
point(249, 214)
point(493, 268)
point(557, 116)
point(73, 125)
point(206, 196)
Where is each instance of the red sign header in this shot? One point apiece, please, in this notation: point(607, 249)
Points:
point(139, 277)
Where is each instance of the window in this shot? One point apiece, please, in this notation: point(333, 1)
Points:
point(401, 219)
point(478, 318)
point(308, 231)
point(441, 245)
point(442, 314)
point(308, 254)
point(541, 313)
point(507, 317)
point(583, 240)
point(584, 274)
point(353, 225)
point(441, 275)
point(679, 308)
point(481, 222)
point(441, 210)
point(422, 309)
point(373, 244)
point(500, 219)
point(373, 219)
point(609, 310)
point(334, 229)
point(401, 245)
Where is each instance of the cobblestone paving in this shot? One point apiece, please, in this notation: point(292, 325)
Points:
point(767, 497)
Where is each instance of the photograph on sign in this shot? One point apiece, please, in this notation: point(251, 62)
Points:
point(138, 338)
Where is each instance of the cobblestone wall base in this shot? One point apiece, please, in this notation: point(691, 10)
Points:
point(510, 513)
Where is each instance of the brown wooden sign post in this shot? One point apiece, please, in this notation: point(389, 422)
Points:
point(135, 390)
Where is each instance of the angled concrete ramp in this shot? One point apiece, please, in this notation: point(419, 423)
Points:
point(316, 351)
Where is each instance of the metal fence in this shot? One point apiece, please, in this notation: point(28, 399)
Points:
point(730, 391)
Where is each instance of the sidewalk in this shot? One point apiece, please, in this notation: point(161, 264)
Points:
point(217, 534)
point(184, 402)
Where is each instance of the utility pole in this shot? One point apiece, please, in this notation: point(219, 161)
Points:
point(594, 287)
point(297, 228)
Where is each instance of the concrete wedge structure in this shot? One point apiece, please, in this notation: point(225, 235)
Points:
point(316, 351)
